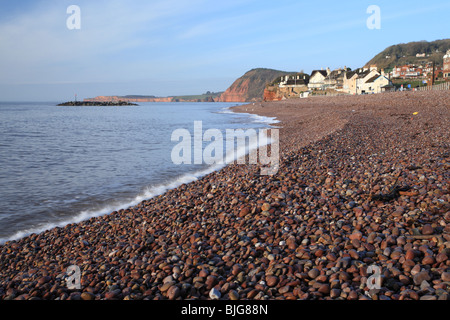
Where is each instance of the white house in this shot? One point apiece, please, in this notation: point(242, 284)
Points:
point(317, 79)
point(375, 84)
point(363, 78)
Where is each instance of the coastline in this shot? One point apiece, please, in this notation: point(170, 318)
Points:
point(308, 232)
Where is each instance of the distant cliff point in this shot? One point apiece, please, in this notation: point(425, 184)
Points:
point(206, 97)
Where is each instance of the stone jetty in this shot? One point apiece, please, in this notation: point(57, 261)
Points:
point(96, 104)
point(363, 185)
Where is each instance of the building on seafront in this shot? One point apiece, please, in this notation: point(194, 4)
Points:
point(366, 80)
point(446, 65)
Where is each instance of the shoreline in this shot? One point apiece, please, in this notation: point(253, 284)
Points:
point(308, 232)
point(87, 214)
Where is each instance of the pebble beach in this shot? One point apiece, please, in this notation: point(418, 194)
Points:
point(363, 181)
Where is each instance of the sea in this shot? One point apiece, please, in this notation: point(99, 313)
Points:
point(63, 165)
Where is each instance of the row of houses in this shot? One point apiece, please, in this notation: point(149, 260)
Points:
point(360, 81)
point(411, 71)
point(365, 80)
point(343, 80)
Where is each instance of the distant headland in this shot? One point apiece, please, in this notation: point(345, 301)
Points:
point(96, 104)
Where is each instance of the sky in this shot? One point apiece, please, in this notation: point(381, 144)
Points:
point(181, 47)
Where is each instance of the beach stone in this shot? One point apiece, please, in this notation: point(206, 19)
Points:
point(214, 294)
point(331, 257)
point(424, 285)
point(233, 295)
point(335, 293)
point(447, 216)
point(176, 270)
point(358, 211)
point(313, 273)
point(265, 207)
point(428, 260)
point(236, 269)
point(284, 289)
point(203, 273)
point(396, 255)
point(251, 234)
point(445, 276)
point(251, 295)
point(413, 295)
point(318, 253)
point(271, 281)
point(211, 281)
point(44, 280)
point(420, 277)
point(335, 284)
point(291, 243)
point(404, 279)
point(344, 276)
point(353, 254)
point(168, 279)
point(371, 238)
point(244, 212)
point(173, 292)
point(111, 295)
point(166, 286)
point(356, 235)
point(356, 243)
point(325, 289)
point(353, 295)
point(441, 257)
point(87, 296)
point(444, 297)
point(241, 277)
point(410, 255)
point(73, 296)
point(415, 270)
point(427, 229)
point(428, 297)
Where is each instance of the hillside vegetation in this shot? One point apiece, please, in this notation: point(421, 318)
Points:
point(405, 53)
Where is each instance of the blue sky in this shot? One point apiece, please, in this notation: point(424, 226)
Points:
point(177, 47)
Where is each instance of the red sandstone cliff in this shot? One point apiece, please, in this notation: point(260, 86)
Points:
point(250, 87)
point(238, 92)
point(271, 95)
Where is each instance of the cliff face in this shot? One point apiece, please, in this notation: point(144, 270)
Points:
point(250, 87)
point(271, 95)
point(238, 92)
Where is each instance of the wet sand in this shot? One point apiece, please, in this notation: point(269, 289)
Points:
point(362, 182)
